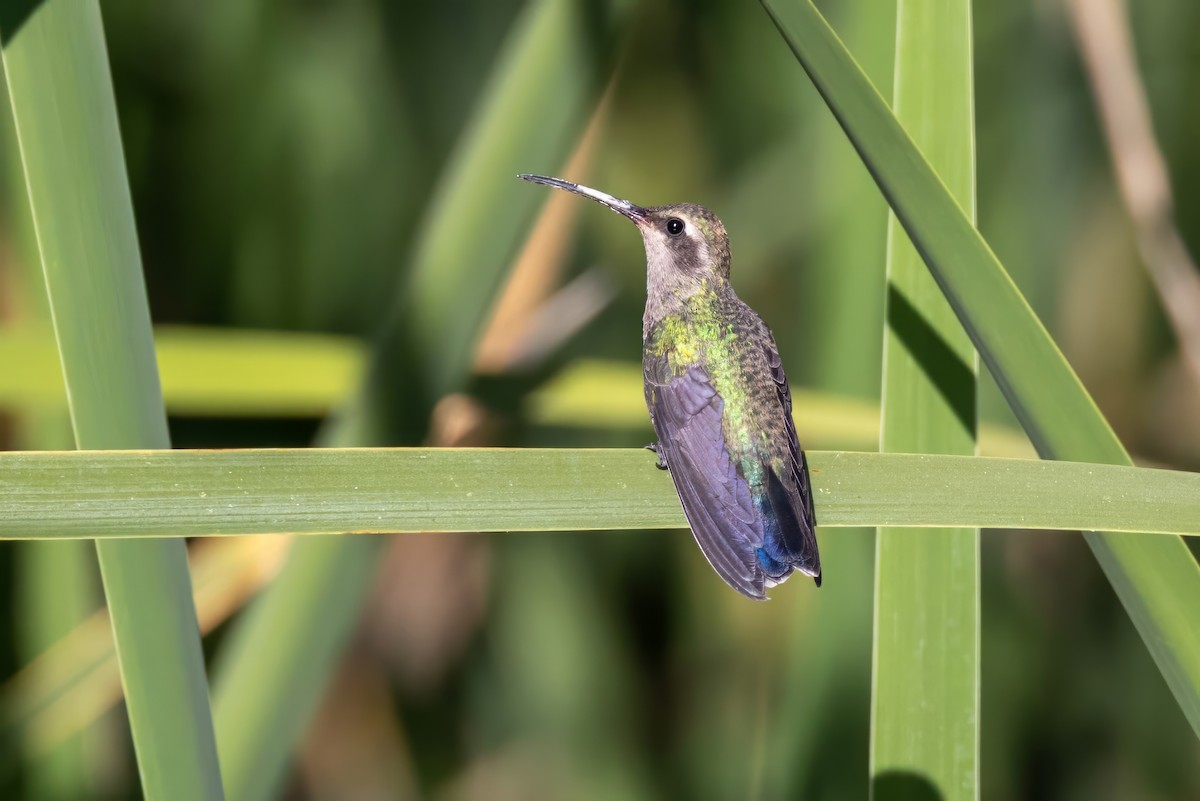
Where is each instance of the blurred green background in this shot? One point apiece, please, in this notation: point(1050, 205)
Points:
point(283, 159)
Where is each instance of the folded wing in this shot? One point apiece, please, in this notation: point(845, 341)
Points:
point(791, 495)
point(687, 410)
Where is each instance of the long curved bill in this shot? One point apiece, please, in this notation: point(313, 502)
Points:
point(622, 207)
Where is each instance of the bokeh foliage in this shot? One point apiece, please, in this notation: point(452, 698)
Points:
point(282, 160)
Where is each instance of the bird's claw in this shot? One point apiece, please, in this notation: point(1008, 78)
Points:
point(661, 464)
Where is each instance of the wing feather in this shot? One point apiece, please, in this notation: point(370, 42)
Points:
point(795, 506)
point(686, 411)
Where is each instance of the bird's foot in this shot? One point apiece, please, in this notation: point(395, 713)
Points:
point(653, 447)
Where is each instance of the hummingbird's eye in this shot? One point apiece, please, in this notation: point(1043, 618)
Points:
point(674, 226)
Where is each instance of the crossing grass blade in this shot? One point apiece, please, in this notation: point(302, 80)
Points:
point(1157, 579)
point(120, 494)
point(56, 66)
point(57, 584)
point(925, 700)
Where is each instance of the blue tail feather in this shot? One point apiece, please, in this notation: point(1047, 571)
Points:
point(785, 544)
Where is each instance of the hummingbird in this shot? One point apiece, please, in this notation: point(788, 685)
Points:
point(719, 401)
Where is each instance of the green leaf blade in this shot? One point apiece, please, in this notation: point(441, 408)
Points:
point(925, 700)
point(1057, 413)
point(121, 494)
point(56, 66)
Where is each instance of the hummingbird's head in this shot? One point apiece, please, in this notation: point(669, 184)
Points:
point(685, 244)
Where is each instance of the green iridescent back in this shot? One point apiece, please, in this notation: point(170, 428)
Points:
point(720, 333)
